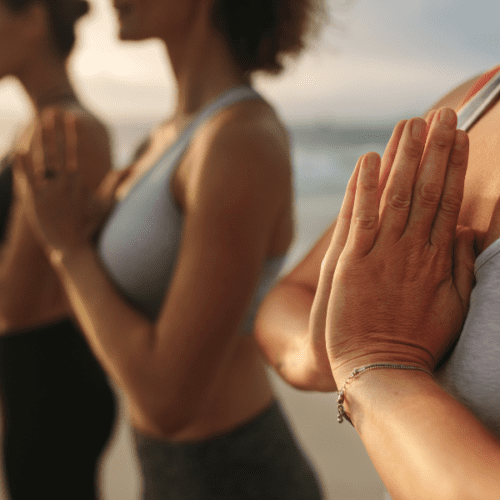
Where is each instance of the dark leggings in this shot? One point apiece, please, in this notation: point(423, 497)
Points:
point(58, 413)
point(259, 460)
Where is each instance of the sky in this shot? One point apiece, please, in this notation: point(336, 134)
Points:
point(391, 59)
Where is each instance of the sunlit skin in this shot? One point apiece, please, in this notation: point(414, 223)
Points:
point(409, 252)
point(290, 302)
point(30, 291)
point(192, 374)
point(443, 451)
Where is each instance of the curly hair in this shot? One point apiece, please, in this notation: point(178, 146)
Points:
point(262, 34)
point(63, 15)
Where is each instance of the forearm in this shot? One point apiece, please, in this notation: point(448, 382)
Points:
point(281, 330)
point(423, 443)
point(120, 337)
point(29, 289)
point(164, 370)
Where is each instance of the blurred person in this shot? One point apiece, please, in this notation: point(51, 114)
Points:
point(168, 292)
point(57, 406)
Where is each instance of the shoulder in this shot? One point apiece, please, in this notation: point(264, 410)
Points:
point(455, 98)
point(245, 146)
point(249, 127)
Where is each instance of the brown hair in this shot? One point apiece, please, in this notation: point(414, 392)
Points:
point(63, 15)
point(263, 33)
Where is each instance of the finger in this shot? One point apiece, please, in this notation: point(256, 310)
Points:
point(389, 155)
point(341, 230)
point(52, 141)
point(106, 192)
point(464, 258)
point(23, 167)
point(36, 162)
point(365, 214)
point(71, 140)
point(429, 117)
point(396, 201)
point(431, 175)
point(446, 218)
point(329, 263)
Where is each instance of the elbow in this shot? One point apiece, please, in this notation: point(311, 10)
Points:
point(167, 417)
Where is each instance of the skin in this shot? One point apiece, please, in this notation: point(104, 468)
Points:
point(443, 451)
point(30, 292)
point(237, 207)
point(293, 346)
point(398, 413)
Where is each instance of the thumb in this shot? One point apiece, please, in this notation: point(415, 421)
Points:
point(110, 183)
point(25, 181)
point(463, 267)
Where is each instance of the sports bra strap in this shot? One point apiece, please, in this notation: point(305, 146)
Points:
point(480, 96)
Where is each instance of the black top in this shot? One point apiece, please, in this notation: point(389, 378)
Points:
point(6, 194)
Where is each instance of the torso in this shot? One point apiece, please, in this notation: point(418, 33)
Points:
point(30, 291)
point(470, 371)
point(482, 185)
point(242, 388)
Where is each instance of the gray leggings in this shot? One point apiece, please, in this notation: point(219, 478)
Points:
point(260, 460)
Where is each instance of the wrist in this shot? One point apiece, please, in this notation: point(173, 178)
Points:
point(343, 368)
point(374, 390)
point(319, 365)
point(302, 368)
point(65, 258)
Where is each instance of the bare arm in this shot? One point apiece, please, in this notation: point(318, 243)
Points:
point(291, 338)
point(23, 260)
point(423, 443)
point(168, 367)
point(283, 329)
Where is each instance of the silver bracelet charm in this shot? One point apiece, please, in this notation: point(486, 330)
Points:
point(358, 371)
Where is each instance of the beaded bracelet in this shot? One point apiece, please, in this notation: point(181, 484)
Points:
point(358, 371)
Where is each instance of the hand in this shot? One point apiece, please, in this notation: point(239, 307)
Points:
point(60, 208)
point(316, 342)
point(401, 287)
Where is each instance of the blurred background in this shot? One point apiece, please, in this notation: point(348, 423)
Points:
point(378, 61)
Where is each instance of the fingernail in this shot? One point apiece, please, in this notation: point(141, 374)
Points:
point(417, 129)
point(447, 117)
point(371, 160)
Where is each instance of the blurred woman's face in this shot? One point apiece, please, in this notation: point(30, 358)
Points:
point(142, 19)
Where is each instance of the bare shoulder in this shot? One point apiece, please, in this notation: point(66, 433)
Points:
point(246, 146)
point(250, 127)
point(455, 97)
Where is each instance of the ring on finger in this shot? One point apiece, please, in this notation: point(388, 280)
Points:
point(50, 173)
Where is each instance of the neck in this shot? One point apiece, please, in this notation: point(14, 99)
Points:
point(203, 67)
point(47, 83)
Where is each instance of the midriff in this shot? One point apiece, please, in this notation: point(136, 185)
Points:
point(241, 392)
